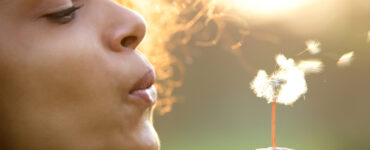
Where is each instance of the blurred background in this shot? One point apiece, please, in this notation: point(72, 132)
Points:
point(215, 108)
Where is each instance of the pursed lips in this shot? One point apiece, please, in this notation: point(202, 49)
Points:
point(143, 90)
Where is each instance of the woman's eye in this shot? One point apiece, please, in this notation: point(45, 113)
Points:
point(64, 16)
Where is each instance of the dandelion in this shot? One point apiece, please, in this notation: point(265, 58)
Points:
point(285, 85)
point(288, 83)
point(346, 59)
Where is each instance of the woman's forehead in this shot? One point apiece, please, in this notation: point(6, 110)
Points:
point(28, 2)
point(18, 2)
point(31, 4)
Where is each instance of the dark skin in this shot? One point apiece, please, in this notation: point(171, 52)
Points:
point(67, 72)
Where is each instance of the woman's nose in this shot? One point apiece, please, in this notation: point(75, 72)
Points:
point(127, 29)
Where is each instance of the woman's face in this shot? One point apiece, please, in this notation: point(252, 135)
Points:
point(71, 78)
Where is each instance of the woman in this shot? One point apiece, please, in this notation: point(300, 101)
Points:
point(71, 78)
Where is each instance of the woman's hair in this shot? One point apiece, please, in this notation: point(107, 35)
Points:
point(166, 18)
point(161, 18)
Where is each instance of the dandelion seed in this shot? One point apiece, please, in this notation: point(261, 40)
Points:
point(368, 36)
point(346, 59)
point(312, 66)
point(313, 46)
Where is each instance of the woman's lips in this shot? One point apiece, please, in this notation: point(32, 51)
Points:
point(148, 96)
point(144, 90)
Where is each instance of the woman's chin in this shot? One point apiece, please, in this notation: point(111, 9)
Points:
point(143, 137)
point(151, 142)
point(146, 138)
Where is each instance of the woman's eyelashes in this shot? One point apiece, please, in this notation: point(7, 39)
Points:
point(64, 16)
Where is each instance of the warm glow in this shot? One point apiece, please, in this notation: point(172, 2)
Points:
point(166, 18)
point(268, 7)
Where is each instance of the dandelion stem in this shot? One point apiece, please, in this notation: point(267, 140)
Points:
point(273, 124)
point(300, 53)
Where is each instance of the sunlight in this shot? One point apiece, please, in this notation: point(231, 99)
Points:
point(269, 7)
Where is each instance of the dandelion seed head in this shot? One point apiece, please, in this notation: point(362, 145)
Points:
point(313, 46)
point(346, 59)
point(286, 84)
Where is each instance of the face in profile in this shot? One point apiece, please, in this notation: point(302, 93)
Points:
point(71, 78)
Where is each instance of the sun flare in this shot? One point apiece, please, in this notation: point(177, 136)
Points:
point(268, 7)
